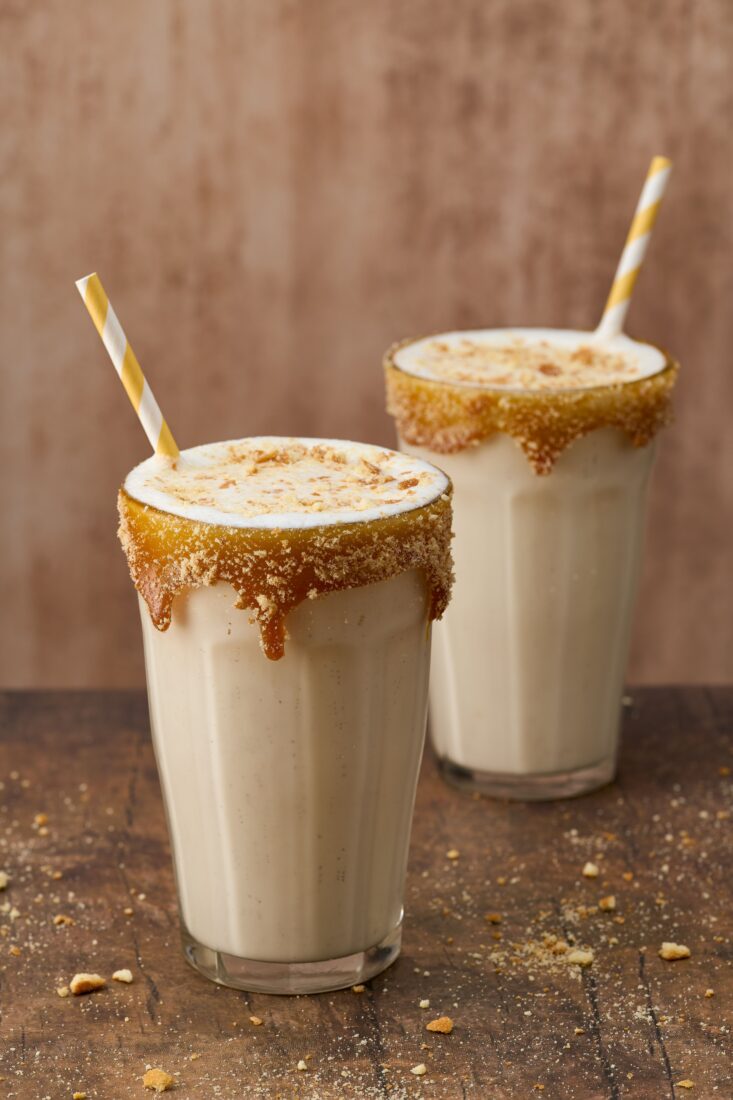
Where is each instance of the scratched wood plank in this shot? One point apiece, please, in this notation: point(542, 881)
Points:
point(526, 1023)
point(274, 192)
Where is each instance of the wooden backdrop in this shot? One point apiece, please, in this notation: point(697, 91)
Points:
point(274, 190)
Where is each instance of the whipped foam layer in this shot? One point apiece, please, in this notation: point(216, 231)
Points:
point(277, 482)
point(529, 359)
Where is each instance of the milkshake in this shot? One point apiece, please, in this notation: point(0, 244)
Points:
point(549, 438)
point(287, 587)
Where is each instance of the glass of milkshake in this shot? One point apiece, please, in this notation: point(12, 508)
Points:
point(287, 587)
point(548, 437)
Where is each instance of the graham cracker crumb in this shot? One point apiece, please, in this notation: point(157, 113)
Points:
point(255, 1021)
point(686, 1084)
point(61, 920)
point(493, 918)
point(672, 951)
point(443, 1025)
point(580, 957)
point(158, 1080)
point(86, 983)
point(79, 1096)
point(608, 903)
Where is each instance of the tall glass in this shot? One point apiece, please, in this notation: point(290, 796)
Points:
point(550, 497)
point(289, 783)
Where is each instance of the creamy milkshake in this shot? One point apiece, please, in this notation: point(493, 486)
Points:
point(548, 438)
point(287, 589)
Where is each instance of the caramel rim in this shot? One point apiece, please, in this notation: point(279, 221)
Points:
point(274, 569)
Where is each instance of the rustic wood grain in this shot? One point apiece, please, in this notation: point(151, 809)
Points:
point(629, 1026)
point(275, 191)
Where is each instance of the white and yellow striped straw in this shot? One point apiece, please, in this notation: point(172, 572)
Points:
point(632, 257)
point(126, 364)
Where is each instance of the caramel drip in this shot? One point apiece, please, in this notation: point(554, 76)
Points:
point(274, 570)
point(447, 418)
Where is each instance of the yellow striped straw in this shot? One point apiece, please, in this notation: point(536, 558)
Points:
point(637, 242)
point(126, 364)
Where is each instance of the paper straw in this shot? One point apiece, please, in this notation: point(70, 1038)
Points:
point(126, 364)
point(637, 242)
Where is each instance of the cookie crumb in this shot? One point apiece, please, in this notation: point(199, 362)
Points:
point(358, 988)
point(158, 1080)
point(122, 976)
point(493, 918)
point(452, 853)
point(63, 991)
point(419, 1070)
point(4, 880)
point(579, 957)
point(424, 1003)
point(590, 870)
point(79, 1096)
point(443, 1024)
point(61, 920)
point(628, 876)
point(686, 1084)
point(671, 951)
point(580, 1031)
point(86, 983)
point(608, 903)
point(194, 1057)
point(302, 1065)
point(128, 912)
point(255, 1021)
point(709, 992)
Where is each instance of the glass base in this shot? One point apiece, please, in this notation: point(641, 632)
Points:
point(540, 787)
point(288, 977)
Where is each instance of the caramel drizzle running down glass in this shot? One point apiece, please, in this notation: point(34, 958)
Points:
point(549, 438)
point(287, 589)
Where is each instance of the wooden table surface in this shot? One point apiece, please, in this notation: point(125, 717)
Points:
point(527, 1023)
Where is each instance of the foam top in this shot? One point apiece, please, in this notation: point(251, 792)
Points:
point(275, 482)
point(529, 359)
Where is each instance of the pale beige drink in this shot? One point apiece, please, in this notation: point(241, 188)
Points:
point(549, 441)
point(296, 581)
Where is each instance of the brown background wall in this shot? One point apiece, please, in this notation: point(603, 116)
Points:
point(273, 191)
